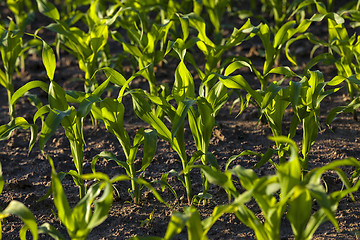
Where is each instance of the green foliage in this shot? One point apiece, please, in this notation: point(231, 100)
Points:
point(274, 194)
point(111, 111)
point(86, 46)
point(80, 220)
point(188, 37)
point(11, 48)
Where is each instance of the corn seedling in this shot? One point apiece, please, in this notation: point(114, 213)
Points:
point(286, 190)
point(80, 220)
point(85, 46)
point(144, 45)
point(11, 48)
point(112, 113)
point(191, 219)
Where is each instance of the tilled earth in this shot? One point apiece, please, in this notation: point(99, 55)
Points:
point(27, 175)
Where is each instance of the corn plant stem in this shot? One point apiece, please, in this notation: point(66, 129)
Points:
point(152, 85)
point(10, 92)
point(205, 182)
point(134, 185)
point(82, 188)
point(78, 155)
point(182, 154)
point(206, 186)
point(187, 180)
point(11, 107)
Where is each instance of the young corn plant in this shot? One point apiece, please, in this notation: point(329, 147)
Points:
point(285, 193)
point(20, 122)
point(147, 47)
point(11, 48)
point(87, 47)
point(24, 14)
point(90, 211)
point(175, 135)
point(274, 48)
point(306, 97)
point(19, 210)
point(213, 52)
point(202, 122)
point(281, 10)
point(71, 119)
point(111, 112)
point(58, 112)
point(191, 219)
point(215, 10)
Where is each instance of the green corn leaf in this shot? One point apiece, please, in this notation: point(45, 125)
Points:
point(270, 94)
point(217, 213)
point(109, 156)
point(184, 84)
point(264, 35)
point(119, 178)
point(325, 58)
point(238, 35)
point(176, 225)
point(184, 22)
point(48, 9)
point(150, 143)
point(199, 24)
point(266, 157)
point(235, 65)
point(193, 224)
point(2, 182)
point(246, 216)
point(27, 87)
point(57, 97)
point(180, 114)
point(194, 119)
point(300, 208)
point(286, 71)
point(41, 112)
point(75, 96)
point(3, 81)
point(51, 231)
point(7, 129)
point(141, 181)
point(112, 113)
point(164, 183)
point(86, 104)
point(353, 105)
point(101, 206)
point(239, 82)
point(51, 124)
point(20, 210)
point(247, 176)
point(282, 35)
point(218, 178)
point(289, 174)
point(218, 96)
point(133, 50)
point(143, 110)
point(33, 135)
point(195, 156)
point(210, 158)
point(114, 76)
point(49, 60)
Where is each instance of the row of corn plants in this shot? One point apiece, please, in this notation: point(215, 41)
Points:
point(189, 34)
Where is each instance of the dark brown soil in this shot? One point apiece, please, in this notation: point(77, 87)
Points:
point(28, 178)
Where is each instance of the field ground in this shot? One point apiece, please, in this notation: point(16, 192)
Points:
point(27, 176)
